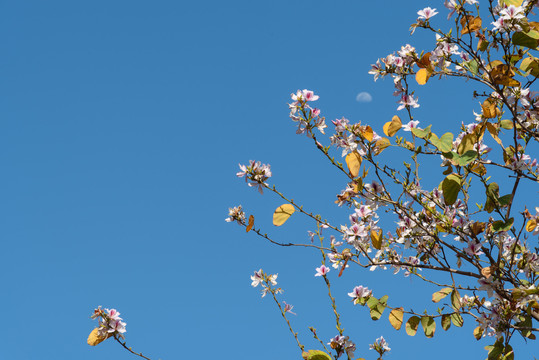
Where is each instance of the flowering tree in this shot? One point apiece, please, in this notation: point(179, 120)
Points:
point(467, 238)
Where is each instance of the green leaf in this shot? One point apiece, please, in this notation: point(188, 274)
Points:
point(395, 318)
point(467, 143)
point(506, 124)
point(372, 302)
point(439, 295)
point(316, 355)
point(451, 186)
point(513, 2)
point(500, 225)
point(492, 192)
point(411, 325)
point(444, 144)
point(505, 200)
point(461, 160)
point(455, 300)
point(467, 157)
point(429, 326)
point(472, 65)
point(422, 133)
point(530, 65)
point(457, 320)
point(446, 322)
point(378, 308)
point(509, 354)
point(528, 39)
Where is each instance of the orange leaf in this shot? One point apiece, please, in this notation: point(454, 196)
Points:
point(422, 76)
point(367, 133)
point(251, 223)
point(470, 24)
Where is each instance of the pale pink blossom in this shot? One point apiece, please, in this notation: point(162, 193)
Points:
point(406, 101)
point(322, 270)
point(359, 292)
point(426, 13)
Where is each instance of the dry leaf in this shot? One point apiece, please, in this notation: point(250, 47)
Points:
point(251, 223)
point(422, 76)
point(94, 338)
point(353, 161)
point(282, 213)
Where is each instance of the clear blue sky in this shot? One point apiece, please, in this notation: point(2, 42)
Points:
point(123, 123)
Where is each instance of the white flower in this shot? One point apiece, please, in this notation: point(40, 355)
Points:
point(412, 124)
point(359, 292)
point(257, 278)
point(322, 270)
point(426, 13)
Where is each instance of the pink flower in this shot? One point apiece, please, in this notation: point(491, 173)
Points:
point(257, 278)
point(304, 95)
point(411, 124)
point(512, 12)
point(288, 308)
point(322, 270)
point(406, 101)
point(359, 292)
point(426, 13)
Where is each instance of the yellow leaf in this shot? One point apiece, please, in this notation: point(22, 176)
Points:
point(486, 272)
point(421, 76)
point(492, 129)
point(489, 108)
point(380, 145)
point(534, 25)
point(532, 224)
point(395, 318)
point(251, 223)
point(479, 169)
point(376, 239)
point(478, 333)
point(353, 161)
point(282, 213)
point(466, 144)
point(367, 133)
point(391, 127)
point(94, 338)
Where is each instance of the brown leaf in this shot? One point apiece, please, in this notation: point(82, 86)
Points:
point(502, 74)
point(425, 61)
point(478, 227)
point(470, 24)
point(250, 224)
point(489, 108)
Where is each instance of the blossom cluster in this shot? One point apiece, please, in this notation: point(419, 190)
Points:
point(236, 214)
point(306, 116)
point(110, 323)
point(256, 174)
point(266, 281)
point(342, 344)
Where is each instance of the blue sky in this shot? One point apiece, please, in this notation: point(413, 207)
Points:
point(123, 126)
